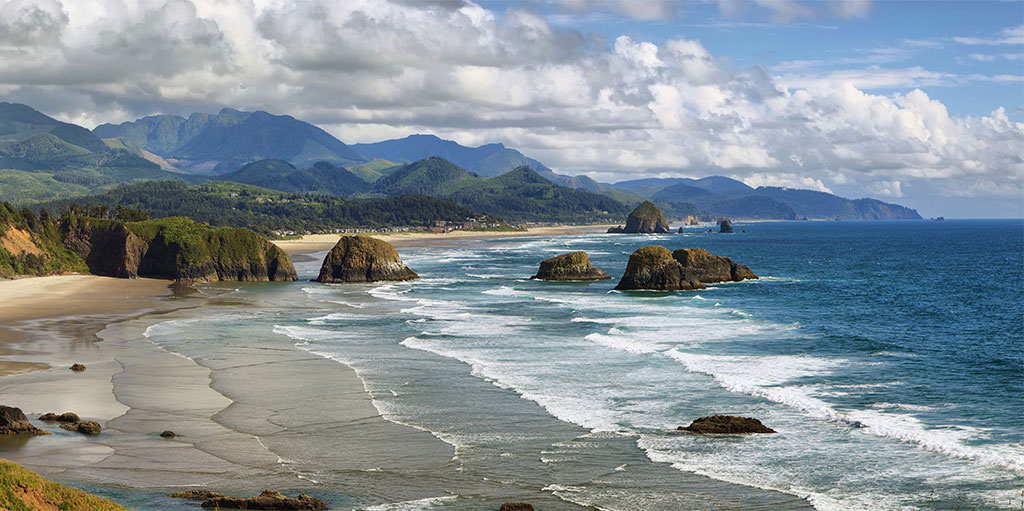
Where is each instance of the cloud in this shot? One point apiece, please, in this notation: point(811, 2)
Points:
point(635, 9)
point(582, 103)
point(886, 188)
point(1011, 35)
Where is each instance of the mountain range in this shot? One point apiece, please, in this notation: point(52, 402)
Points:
point(42, 158)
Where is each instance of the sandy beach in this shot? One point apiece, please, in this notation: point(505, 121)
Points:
point(322, 242)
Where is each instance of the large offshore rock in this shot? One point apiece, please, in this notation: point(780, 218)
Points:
point(645, 219)
point(726, 424)
point(574, 266)
point(712, 268)
point(653, 267)
point(363, 259)
point(724, 225)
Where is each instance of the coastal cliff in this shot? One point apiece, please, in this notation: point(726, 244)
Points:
point(25, 490)
point(176, 249)
point(363, 259)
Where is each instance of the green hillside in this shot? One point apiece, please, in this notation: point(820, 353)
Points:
point(283, 176)
point(374, 170)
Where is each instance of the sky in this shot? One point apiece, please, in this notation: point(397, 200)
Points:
point(919, 103)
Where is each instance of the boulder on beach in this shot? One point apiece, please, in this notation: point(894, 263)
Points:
point(724, 225)
point(516, 506)
point(84, 427)
point(77, 367)
point(14, 422)
point(363, 259)
point(266, 500)
point(574, 266)
point(653, 267)
point(64, 417)
point(712, 268)
point(726, 425)
point(645, 219)
point(168, 434)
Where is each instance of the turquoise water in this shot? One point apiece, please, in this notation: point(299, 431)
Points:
point(888, 355)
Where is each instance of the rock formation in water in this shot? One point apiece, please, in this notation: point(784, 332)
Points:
point(574, 266)
point(267, 500)
point(363, 259)
point(84, 427)
point(77, 367)
point(176, 249)
point(64, 417)
point(516, 506)
point(14, 422)
point(652, 267)
point(724, 225)
point(168, 434)
point(726, 424)
point(645, 219)
point(655, 268)
point(711, 268)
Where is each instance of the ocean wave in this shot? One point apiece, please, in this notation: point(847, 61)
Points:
point(413, 505)
point(625, 343)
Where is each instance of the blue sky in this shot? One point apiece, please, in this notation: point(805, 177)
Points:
point(918, 103)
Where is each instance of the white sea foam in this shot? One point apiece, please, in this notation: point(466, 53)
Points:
point(413, 505)
point(503, 291)
point(625, 343)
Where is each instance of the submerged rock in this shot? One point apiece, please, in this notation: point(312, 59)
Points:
point(711, 268)
point(195, 494)
point(14, 422)
point(363, 259)
point(725, 225)
point(77, 367)
point(516, 506)
point(85, 427)
point(653, 267)
point(726, 424)
point(574, 266)
point(266, 500)
point(168, 434)
point(645, 219)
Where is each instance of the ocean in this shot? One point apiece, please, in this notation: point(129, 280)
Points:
point(887, 355)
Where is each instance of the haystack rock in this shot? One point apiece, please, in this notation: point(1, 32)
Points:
point(724, 225)
point(645, 219)
point(363, 259)
point(574, 266)
point(726, 425)
point(14, 422)
point(652, 267)
point(711, 268)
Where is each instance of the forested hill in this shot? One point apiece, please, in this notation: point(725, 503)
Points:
point(222, 203)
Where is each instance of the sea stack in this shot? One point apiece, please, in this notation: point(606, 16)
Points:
point(363, 259)
point(574, 266)
point(645, 219)
point(724, 225)
point(655, 268)
point(726, 425)
point(652, 267)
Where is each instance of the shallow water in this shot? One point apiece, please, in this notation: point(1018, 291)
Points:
point(886, 354)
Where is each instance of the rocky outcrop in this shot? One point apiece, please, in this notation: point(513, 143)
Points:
point(574, 266)
point(653, 267)
point(711, 268)
point(726, 424)
point(516, 506)
point(645, 219)
point(724, 225)
point(14, 422)
point(363, 259)
point(64, 417)
point(195, 494)
point(77, 367)
point(267, 500)
point(84, 427)
point(168, 434)
point(175, 249)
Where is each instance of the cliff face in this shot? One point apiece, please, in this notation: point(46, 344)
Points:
point(363, 259)
point(645, 219)
point(176, 249)
point(574, 266)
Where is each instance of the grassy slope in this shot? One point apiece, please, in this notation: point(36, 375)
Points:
point(23, 490)
point(45, 236)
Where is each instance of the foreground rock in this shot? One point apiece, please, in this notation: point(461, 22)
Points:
point(363, 259)
point(726, 424)
point(725, 225)
point(25, 490)
point(655, 268)
point(516, 506)
point(645, 219)
point(64, 417)
point(14, 422)
point(266, 500)
point(77, 367)
point(84, 427)
point(574, 266)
